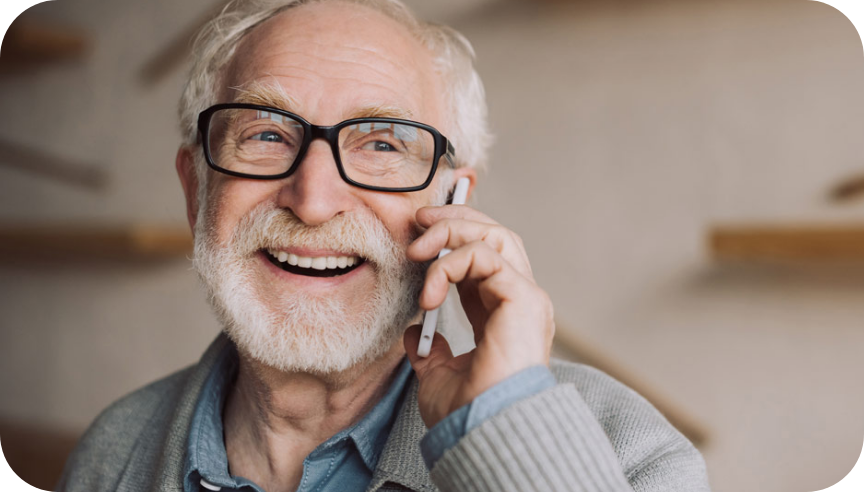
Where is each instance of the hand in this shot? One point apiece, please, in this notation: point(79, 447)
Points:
point(511, 316)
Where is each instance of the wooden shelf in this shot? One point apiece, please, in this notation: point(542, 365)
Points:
point(787, 242)
point(29, 42)
point(68, 243)
point(57, 168)
point(851, 188)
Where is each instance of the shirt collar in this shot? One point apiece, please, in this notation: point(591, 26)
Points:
point(370, 434)
point(206, 454)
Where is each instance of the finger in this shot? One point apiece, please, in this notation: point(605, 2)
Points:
point(426, 216)
point(474, 261)
point(438, 354)
point(496, 288)
point(455, 233)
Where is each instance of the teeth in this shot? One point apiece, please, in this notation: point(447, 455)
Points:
point(318, 262)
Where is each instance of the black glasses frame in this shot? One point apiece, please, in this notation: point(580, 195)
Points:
point(311, 132)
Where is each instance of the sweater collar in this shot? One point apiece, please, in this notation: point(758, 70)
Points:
point(206, 455)
point(400, 461)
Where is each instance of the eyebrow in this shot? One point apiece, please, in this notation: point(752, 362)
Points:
point(263, 94)
point(382, 112)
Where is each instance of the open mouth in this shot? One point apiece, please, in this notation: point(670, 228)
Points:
point(318, 266)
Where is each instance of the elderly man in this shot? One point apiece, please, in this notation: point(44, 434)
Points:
point(322, 139)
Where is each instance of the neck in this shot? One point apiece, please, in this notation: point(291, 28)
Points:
point(274, 419)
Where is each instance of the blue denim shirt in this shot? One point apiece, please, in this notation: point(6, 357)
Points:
point(346, 461)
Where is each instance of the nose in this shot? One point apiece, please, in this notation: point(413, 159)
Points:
point(315, 192)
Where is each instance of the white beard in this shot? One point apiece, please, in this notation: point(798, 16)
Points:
point(300, 331)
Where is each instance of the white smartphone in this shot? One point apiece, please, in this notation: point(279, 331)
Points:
point(430, 320)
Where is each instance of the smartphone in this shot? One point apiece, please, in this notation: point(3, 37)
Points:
point(430, 321)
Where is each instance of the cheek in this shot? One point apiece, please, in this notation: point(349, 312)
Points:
point(232, 199)
point(402, 227)
point(409, 232)
point(399, 215)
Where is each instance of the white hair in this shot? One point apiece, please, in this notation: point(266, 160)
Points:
point(453, 55)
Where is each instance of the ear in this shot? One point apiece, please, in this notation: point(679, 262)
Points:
point(189, 181)
point(466, 172)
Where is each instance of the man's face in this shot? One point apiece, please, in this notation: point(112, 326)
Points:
point(334, 62)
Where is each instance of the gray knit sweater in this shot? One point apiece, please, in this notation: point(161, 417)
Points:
point(588, 433)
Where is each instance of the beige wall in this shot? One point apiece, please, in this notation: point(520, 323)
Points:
point(625, 129)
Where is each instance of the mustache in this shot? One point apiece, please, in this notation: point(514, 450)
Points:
point(359, 232)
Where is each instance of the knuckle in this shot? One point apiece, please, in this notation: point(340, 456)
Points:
point(500, 235)
point(479, 246)
point(440, 226)
point(436, 269)
point(518, 239)
point(498, 230)
point(542, 300)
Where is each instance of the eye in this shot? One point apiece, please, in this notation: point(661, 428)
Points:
point(379, 146)
point(267, 137)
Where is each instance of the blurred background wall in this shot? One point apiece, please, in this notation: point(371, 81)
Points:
point(627, 131)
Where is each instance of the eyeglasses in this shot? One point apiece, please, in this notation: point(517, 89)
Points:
point(382, 154)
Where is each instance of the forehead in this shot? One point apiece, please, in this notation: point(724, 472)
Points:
point(333, 58)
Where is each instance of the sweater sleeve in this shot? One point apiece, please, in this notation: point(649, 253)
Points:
point(554, 441)
point(101, 454)
point(448, 432)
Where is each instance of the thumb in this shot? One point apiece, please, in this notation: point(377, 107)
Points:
point(438, 354)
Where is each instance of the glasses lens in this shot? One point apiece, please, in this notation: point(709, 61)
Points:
point(254, 142)
point(388, 155)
